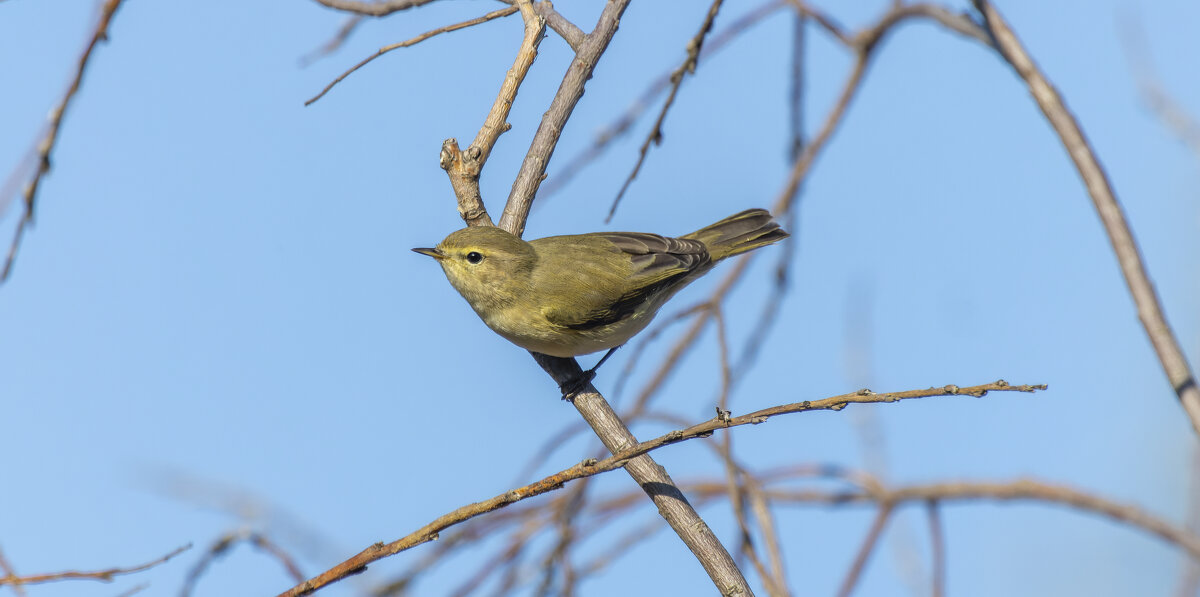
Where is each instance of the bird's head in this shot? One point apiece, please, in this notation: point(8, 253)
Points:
point(485, 264)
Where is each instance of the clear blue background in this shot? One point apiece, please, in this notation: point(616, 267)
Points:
point(218, 298)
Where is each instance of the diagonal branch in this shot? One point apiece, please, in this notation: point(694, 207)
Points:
point(533, 168)
point(495, 14)
point(864, 552)
point(1149, 307)
point(46, 145)
point(625, 458)
point(335, 42)
point(621, 125)
point(687, 68)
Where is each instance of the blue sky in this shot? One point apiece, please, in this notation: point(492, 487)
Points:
point(219, 287)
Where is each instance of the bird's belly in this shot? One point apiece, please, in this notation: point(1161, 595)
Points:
point(546, 338)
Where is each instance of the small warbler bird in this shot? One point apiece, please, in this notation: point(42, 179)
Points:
point(577, 294)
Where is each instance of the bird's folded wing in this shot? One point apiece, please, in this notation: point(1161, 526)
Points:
point(656, 264)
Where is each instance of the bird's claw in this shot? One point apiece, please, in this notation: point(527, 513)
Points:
point(574, 386)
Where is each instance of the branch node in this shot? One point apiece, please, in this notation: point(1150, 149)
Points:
point(723, 415)
point(449, 153)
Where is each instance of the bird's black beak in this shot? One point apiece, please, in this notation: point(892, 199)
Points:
point(435, 253)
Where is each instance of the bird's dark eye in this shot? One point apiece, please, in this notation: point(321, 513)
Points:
point(474, 257)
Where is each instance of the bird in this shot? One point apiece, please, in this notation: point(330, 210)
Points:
point(572, 295)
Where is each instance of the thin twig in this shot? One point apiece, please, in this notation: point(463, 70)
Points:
point(624, 123)
point(766, 524)
point(624, 458)
point(1149, 307)
point(556, 560)
point(46, 146)
point(223, 544)
point(100, 575)
point(1168, 110)
point(373, 9)
point(1019, 490)
point(464, 168)
point(656, 133)
point(133, 590)
point(343, 33)
point(533, 167)
point(937, 545)
point(796, 90)
point(495, 14)
point(7, 568)
point(570, 33)
point(865, 551)
point(505, 558)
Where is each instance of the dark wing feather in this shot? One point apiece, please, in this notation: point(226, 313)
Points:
point(658, 264)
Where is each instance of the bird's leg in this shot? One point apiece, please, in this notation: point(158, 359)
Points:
point(573, 386)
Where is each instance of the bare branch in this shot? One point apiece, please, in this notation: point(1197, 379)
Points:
point(796, 91)
point(624, 458)
point(226, 542)
point(570, 33)
point(864, 552)
point(1023, 489)
point(464, 168)
point(373, 9)
point(937, 545)
point(335, 42)
point(623, 123)
point(495, 14)
point(1149, 308)
point(533, 168)
point(688, 67)
point(7, 568)
point(1168, 110)
point(100, 575)
point(46, 145)
point(652, 478)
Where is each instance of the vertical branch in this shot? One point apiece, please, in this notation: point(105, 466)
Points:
point(533, 168)
point(1149, 308)
point(937, 543)
point(796, 93)
point(653, 479)
point(464, 168)
point(1189, 581)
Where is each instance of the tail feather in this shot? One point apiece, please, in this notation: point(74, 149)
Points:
point(739, 233)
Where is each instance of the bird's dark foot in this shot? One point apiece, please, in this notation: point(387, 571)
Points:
point(574, 386)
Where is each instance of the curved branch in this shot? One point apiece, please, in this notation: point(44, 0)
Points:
point(1149, 307)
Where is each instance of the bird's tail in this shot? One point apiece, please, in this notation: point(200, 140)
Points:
point(739, 233)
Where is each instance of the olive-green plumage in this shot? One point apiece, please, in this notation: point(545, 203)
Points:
point(570, 295)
